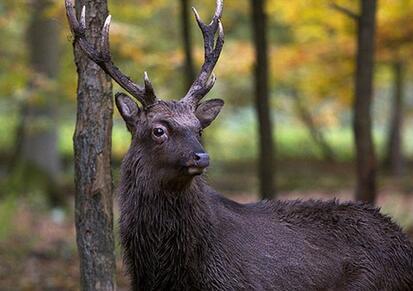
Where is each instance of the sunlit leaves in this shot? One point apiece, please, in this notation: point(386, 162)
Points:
point(318, 63)
point(395, 30)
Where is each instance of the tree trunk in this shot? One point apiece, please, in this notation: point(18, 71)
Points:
point(186, 38)
point(394, 156)
point(92, 149)
point(37, 143)
point(266, 148)
point(365, 154)
point(315, 132)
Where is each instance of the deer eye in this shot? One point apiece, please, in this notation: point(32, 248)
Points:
point(158, 132)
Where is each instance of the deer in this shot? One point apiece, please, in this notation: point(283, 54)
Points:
point(178, 233)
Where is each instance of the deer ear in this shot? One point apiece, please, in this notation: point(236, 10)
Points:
point(128, 109)
point(208, 110)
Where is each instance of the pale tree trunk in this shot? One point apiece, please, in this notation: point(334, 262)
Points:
point(186, 38)
point(92, 149)
point(394, 155)
point(362, 121)
point(37, 140)
point(266, 147)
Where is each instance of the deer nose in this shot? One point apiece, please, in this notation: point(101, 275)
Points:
point(202, 159)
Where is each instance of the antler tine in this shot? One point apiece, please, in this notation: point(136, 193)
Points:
point(144, 95)
point(206, 79)
point(148, 87)
point(71, 16)
point(104, 42)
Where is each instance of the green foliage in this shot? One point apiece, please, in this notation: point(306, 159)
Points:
point(8, 121)
point(13, 69)
point(8, 207)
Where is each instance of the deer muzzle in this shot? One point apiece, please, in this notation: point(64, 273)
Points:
point(201, 162)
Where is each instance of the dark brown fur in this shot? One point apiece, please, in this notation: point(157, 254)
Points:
point(179, 234)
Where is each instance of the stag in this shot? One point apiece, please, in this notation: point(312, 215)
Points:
point(177, 233)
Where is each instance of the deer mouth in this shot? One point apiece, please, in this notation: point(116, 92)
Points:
point(197, 167)
point(195, 170)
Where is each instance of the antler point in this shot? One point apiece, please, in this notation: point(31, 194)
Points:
point(220, 28)
point(108, 20)
point(83, 17)
point(198, 18)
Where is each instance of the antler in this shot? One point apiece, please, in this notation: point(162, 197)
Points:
point(144, 95)
point(206, 79)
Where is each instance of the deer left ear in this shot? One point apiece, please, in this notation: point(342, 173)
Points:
point(128, 109)
point(208, 110)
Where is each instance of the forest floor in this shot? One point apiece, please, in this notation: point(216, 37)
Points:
point(40, 253)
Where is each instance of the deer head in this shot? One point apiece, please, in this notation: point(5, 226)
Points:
point(166, 134)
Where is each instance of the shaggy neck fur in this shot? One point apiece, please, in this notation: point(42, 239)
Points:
point(166, 234)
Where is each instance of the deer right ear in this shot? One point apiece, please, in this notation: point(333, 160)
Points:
point(208, 110)
point(128, 109)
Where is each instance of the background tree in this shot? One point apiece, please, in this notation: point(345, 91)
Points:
point(36, 143)
point(366, 168)
point(187, 44)
point(394, 156)
point(92, 150)
point(366, 188)
point(262, 104)
point(394, 52)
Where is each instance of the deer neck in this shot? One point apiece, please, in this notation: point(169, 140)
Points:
point(163, 207)
point(172, 231)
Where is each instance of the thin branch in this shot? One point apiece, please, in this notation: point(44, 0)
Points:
point(344, 10)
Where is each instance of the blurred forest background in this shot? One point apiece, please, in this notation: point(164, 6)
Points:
point(311, 49)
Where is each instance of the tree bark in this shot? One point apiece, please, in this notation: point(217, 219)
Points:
point(92, 150)
point(186, 38)
point(394, 155)
point(315, 132)
point(365, 153)
point(37, 143)
point(266, 147)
